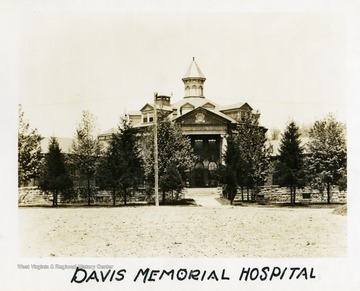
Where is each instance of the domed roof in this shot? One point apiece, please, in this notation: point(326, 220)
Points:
point(194, 71)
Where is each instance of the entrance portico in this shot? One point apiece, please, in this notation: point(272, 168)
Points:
point(206, 131)
point(207, 149)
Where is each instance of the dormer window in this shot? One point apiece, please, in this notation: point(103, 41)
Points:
point(209, 105)
point(186, 108)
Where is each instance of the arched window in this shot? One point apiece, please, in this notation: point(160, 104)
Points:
point(212, 166)
point(201, 91)
point(193, 91)
point(187, 91)
point(199, 165)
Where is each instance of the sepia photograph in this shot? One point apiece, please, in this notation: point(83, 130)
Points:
point(184, 141)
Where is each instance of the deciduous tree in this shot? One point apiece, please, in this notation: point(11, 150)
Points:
point(29, 150)
point(171, 181)
point(174, 149)
point(86, 150)
point(327, 159)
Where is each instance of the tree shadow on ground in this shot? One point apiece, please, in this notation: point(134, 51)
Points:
point(181, 202)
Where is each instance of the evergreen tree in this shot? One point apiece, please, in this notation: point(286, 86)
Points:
point(173, 149)
point(248, 155)
point(54, 176)
point(121, 168)
point(86, 150)
point(290, 166)
point(327, 159)
point(29, 151)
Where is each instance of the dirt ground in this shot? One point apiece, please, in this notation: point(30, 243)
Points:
point(175, 231)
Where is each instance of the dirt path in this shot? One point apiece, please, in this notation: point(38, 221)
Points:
point(170, 231)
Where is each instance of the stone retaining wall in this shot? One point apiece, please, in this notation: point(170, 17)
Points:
point(33, 196)
point(275, 194)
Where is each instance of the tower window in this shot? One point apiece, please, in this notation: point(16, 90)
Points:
point(187, 90)
point(193, 91)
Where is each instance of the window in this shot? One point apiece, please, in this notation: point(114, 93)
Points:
point(186, 108)
point(208, 105)
point(199, 165)
point(212, 145)
point(193, 91)
point(306, 195)
point(198, 144)
point(187, 91)
point(212, 166)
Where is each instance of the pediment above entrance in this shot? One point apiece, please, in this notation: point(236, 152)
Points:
point(202, 116)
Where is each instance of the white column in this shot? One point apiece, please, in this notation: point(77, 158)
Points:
point(223, 147)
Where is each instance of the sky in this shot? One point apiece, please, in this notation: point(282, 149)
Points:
point(290, 64)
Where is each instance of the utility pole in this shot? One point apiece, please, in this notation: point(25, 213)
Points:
point(156, 166)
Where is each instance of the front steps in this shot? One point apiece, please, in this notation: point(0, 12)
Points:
point(205, 197)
